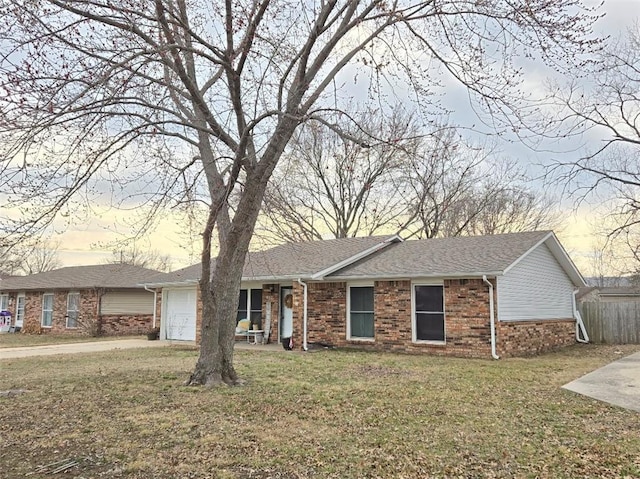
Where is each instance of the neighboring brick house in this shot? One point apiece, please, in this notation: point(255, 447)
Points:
point(482, 296)
point(95, 300)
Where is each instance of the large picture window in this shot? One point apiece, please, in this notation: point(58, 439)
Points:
point(250, 306)
point(361, 318)
point(428, 313)
point(47, 310)
point(73, 309)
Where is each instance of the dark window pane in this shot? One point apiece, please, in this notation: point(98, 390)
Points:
point(429, 327)
point(362, 325)
point(256, 300)
point(242, 302)
point(256, 318)
point(429, 298)
point(242, 305)
point(362, 298)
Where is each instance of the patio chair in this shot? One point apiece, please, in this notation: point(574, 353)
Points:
point(242, 328)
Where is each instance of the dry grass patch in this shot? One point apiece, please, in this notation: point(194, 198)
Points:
point(339, 414)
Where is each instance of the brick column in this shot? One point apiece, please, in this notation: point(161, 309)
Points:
point(271, 294)
point(298, 314)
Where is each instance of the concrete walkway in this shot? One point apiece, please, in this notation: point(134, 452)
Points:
point(617, 383)
point(96, 346)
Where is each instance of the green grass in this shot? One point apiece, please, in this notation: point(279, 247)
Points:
point(24, 340)
point(330, 414)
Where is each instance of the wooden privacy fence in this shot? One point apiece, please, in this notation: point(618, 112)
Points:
point(612, 323)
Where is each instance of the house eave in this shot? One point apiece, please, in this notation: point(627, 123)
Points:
point(171, 284)
point(399, 276)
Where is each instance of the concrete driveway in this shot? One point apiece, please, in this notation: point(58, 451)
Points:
point(617, 383)
point(69, 348)
point(95, 346)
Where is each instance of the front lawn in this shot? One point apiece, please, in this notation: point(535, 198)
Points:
point(328, 414)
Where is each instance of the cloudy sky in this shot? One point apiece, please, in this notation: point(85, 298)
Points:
point(87, 243)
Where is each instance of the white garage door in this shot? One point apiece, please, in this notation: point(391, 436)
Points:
point(180, 314)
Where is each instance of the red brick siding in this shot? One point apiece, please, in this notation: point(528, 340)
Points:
point(86, 317)
point(467, 321)
point(526, 338)
point(392, 316)
point(271, 294)
point(326, 313)
point(88, 321)
point(119, 325)
point(32, 312)
point(298, 313)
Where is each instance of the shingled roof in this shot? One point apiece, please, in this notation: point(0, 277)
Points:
point(463, 255)
point(390, 257)
point(83, 277)
point(295, 260)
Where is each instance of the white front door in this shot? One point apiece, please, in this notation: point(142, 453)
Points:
point(286, 321)
point(20, 301)
point(180, 314)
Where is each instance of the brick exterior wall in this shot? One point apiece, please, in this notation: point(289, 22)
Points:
point(120, 325)
point(467, 321)
point(326, 313)
point(271, 294)
point(526, 338)
point(32, 312)
point(89, 323)
point(298, 314)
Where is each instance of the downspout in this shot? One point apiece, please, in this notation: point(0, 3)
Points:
point(155, 303)
point(492, 318)
point(304, 315)
point(580, 327)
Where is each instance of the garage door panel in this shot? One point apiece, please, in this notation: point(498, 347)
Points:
point(180, 316)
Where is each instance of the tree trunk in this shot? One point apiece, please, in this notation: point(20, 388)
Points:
point(219, 296)
point(220, 292)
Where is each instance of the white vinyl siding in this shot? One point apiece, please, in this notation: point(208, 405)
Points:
point(535, 288)
point(127, 302)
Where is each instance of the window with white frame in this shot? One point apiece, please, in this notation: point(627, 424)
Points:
point(20, 308)
point(361, 317)
point(47, 310)
point(250, 306)
point(428, 313)
point(4, 302)
point(73, 309)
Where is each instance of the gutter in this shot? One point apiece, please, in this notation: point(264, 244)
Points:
point(155, 302)
point(580, 327)
point(492, 317)
point(304, 315)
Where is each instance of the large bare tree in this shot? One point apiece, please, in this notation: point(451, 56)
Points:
point(341, 182)
point(163, 95)
point(36, 256)
point(606, 107)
